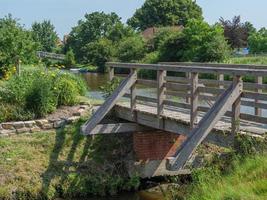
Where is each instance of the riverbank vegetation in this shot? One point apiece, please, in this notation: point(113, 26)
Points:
point(38, 92)
point(63, 164)
point(241, 174)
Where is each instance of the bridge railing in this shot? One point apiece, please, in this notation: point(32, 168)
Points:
point(42, 54)
point(191, 85)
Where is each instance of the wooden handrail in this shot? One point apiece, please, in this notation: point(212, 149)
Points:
point(196, 68)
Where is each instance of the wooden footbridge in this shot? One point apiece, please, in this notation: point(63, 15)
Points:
point(212, 110)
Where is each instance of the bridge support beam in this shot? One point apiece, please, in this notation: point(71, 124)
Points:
point(197, 135)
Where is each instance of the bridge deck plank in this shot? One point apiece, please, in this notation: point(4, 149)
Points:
point(182, 116)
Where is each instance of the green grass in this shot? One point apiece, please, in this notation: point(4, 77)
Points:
point(257, 60)
point(247, 180)
point(61, 164)
point(239, 175)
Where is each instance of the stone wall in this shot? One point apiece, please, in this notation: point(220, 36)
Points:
point(50, 123)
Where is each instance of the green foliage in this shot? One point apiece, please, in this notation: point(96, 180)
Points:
point(15, 43)
point(131, 49)
point(68, 89)
point(38, 92)
point(99, 52)
point(40, 98)
point(156, 13)
point(162, 35)
point(151, 58)
point(240, 174)
point(44, 33)
point(256, 60)
point(258, 41)
point(95, 26)
point(199, 42)
point(69, 58)
point(110, 86)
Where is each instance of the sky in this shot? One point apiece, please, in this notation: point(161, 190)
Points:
point(65, 14)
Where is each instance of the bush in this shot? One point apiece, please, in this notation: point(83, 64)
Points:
point(38, 92)
point(151, 58)
point(69, 58)
point(41, 100)
point(258, 41)
point(199, 42)
point(131, 49)
point(67, 89)
point(98, 52)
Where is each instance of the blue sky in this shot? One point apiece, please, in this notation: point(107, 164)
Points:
point(65, 13)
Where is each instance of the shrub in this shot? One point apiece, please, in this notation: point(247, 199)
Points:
point(199, 42)
point(258, 41)
point(67, 90)
point(41, 100)
point(38, 92)
point(151, 58)
point(98, 52)
point(69, 58)
point(131, 49)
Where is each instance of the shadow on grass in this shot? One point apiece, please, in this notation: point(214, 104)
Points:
point(81, 166)
point(61, 168)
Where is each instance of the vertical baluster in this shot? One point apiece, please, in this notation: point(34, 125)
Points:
point(111, 73)
point(221, 79)
point(188, 76)
point(133, 95)
point(194, 100)
point(236, 108)
point(259, 80)
point(161, 74)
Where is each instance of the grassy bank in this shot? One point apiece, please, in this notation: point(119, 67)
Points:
point(240, 175)
point(256, 60)
point(62, 164)
point(246, 180)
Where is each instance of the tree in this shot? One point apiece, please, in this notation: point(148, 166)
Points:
point(45, 34)
point(156, 13)
point(162, 35)
point(131, 49)
point(15, 43)
point(199, 42)
point(99, 52)
point(95, 26)
point(258, 41)
point(250, 28)
point(236, 32)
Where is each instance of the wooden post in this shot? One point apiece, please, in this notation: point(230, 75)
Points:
point(188, 76)
point(161, 94)
point(194, 100)
point(220, 79)
point(111, 73)
point(133, 95)
point(259, 81)
point(236, 108)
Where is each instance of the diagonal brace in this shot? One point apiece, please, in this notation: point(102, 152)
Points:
point(207, 123)
point(109, 103)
